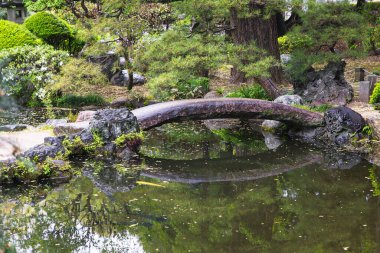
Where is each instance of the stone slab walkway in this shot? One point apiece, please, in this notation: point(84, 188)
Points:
point(13, 143)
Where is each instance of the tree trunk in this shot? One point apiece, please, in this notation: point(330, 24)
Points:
point(130, 81)
point(270, 87)
point(259, 29)
point(360, 4)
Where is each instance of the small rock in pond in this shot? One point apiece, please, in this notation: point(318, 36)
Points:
point(273, 126)
point(289, 100)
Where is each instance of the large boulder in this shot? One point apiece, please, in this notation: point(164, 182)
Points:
point(327, 86)
point(111, 123)
point(122, 78)
point(342, 123)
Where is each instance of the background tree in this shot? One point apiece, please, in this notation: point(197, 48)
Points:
point(79, 8)
point(329, 32)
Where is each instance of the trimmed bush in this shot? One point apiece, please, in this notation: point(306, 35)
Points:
point(54, 31)
point(375, 97)
point(14, 35)
point(49, 28)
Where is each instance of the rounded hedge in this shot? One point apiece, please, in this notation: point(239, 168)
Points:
point(375, 97)
point(48, 27)
point(13, 35)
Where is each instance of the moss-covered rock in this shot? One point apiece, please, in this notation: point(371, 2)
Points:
point(27, 170)
point(13, 35)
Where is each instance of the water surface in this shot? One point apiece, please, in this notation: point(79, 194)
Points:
point(196, 190)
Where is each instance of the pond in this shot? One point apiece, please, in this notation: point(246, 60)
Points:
point(196, 190)
point(11, 113)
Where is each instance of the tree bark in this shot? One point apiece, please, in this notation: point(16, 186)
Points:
point(130, 81)
point(360, 4)
point(263, 31)
point(270, 87)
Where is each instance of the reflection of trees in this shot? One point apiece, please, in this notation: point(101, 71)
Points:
point(306, 210)
point(193, 141)
point(303, 211)
point(76, 216)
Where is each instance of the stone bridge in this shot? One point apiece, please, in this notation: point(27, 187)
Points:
point(241, 108)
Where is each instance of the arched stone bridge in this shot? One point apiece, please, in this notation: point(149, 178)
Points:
point(199, 109)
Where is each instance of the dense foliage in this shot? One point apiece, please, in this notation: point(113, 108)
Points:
point(26, 72)
point(180, 46)
point(13, 35)
point(289, 43)
point(80, 77)
point(194, 55)
point(329, 32)
point(182, 71)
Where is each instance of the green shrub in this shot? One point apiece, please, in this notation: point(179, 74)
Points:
point(79, 76)
point(54, 31)
point(375, 97)
point(73, 101)
point(27, 72)
point(249, 91)
point(13, 35)
point(194, 87)
point(188, 55)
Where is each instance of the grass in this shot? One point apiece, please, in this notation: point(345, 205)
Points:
point(315, 108)
point(74, 101)
point(249, 91)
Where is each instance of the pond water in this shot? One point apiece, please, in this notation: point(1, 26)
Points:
point(33, 117)
point(196, 190)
